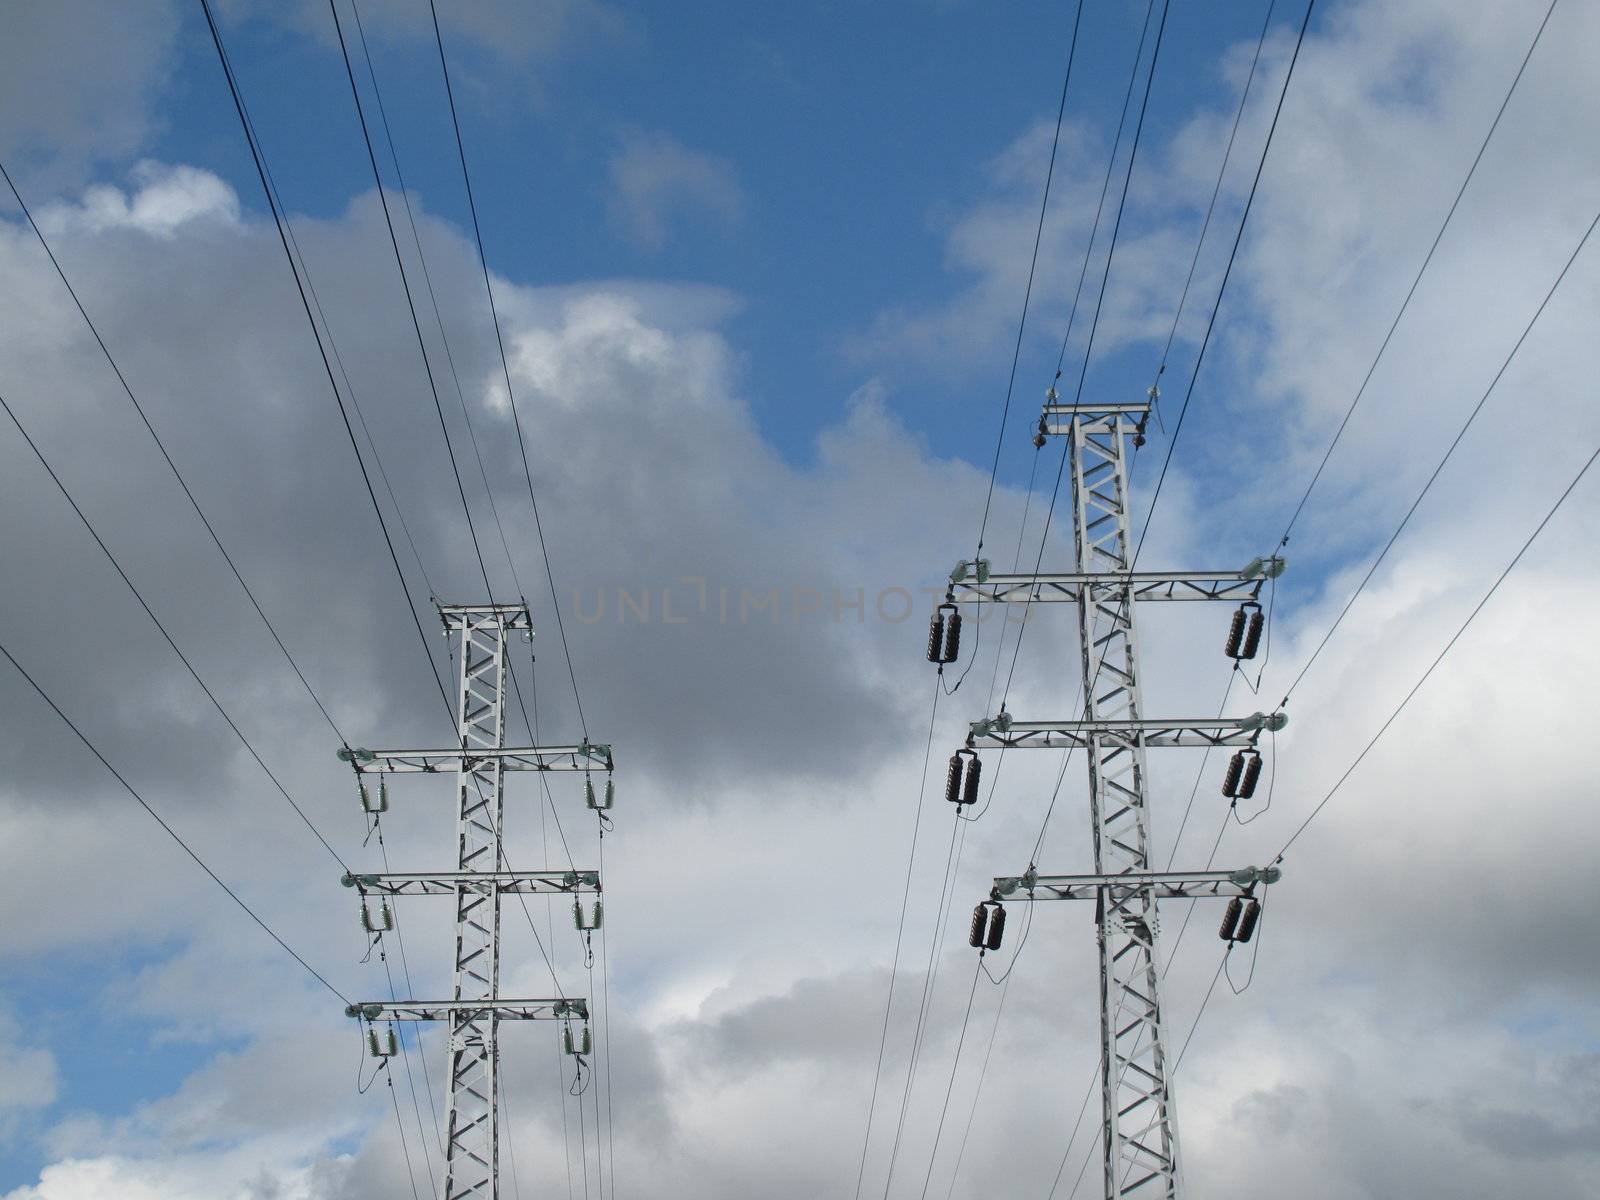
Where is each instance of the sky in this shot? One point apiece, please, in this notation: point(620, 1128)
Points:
point(760, 272)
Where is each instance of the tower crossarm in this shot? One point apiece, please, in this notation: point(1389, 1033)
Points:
point(558, 1009)
point(1067, 586)
point(1005, 732)
point(496, 616)
point(1165, 885)
point(585, 756)
point(449, 883)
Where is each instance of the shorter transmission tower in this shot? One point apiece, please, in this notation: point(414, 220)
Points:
point(472, 1156)
point(1139, 1130)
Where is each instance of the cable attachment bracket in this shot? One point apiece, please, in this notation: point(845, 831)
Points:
point(978, 568)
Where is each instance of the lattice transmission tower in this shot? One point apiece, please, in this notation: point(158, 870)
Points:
point(1139, 1130)
point(481, 878)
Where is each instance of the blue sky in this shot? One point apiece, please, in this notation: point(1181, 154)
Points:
point(851, 135)
point(760, 269)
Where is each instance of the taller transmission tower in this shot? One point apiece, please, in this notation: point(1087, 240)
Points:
point(1139, 1131)
point(475, 1009)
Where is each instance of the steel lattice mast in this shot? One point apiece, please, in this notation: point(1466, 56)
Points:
point(1139, 1123)
point(473, 1013)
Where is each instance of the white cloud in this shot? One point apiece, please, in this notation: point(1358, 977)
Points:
point(163, 199)
point(654, 179)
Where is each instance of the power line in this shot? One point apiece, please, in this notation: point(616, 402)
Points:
point(1439, 467)
point(511, 397)
point(1211, 207)
point(405, 285)
point(1094, 324)
point(1428, 258)
point(405, 1050)
point(1033, 263)
point(1222, 288)
point(182, 657)
point(405, 1145)
point(299, 262)
point(279, 221)
point(170, 831)
point(955, 1065)
point(605, 1023)
point(411, 1079)
point(899, 938)
point(160, 445)
point(977, 1095)
point(930, 973)
point(1448, 646)
point(433, 299)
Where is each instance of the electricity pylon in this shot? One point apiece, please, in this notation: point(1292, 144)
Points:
point(1139, 1123)
point(472, 1154)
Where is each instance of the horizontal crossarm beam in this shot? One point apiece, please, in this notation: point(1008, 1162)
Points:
point(445, 883)
point(1090, 409)
point(505, 616)
point(1068, 586)
point(444, 1010)
point(1056, 735)
point(1166, 885)
point(586, 756)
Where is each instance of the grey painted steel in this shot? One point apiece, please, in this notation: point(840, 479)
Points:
point(457, 1011)
point(472, 1134)
point(1139, 1127)
point(1059, 587)
point(509, 758)
point(445, 883)
point(1167, 885)
point(1128, 733)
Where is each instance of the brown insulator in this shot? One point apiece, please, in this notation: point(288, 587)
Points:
point(1252, 774)
point(980, 924)
point(952, 779)
point(1235, 634)
point(1252, 635)
point(969, 788)
point(1230, 780)
point(952, 636)
point(1247, 924)
point(1230, 919)
point(997, 928)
